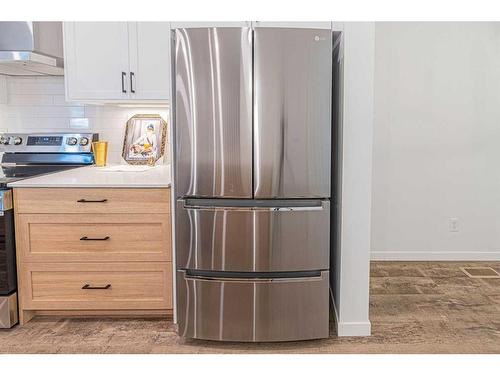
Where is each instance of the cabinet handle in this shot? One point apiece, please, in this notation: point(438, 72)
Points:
point(124, 75)
point(91, 201)
point(88, 286)
point(132, 75)
point(85, 238)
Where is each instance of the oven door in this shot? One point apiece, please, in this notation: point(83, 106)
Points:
point(253, 235)
point(7, 245)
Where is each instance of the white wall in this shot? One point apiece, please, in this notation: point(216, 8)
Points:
point(37, 104)
point(3, 99)
point(436, 141)
point(351, 260)
point(3, 91)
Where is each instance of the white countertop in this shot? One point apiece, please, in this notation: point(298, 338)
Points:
point(102, 177)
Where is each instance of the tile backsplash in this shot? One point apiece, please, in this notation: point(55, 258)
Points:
point(37, 104)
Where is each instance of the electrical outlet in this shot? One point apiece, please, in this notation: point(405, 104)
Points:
point(453, 222)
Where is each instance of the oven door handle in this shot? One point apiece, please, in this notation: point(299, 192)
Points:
point(14, 165)
point(9, 165)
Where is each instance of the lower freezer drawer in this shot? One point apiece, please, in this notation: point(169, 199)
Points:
point(221, 235)
point(285, 309)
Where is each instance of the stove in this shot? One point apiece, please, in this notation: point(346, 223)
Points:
point(25, 156)
point(28, 155)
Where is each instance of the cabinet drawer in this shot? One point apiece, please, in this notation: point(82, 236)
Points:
point(88, 200)
point(92, 238)
point(90, 286)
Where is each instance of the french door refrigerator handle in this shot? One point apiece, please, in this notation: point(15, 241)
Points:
point(267, 277)
point(272, 209)
point(255, 280)
point(214, 206)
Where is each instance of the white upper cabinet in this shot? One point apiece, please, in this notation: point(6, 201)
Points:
point(96, 57)
point(117, 61)
point(149, 45)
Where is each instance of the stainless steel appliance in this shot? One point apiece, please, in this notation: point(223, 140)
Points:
point(24, 156)
point(8, 300)
point(31, 48)
point(252, 127)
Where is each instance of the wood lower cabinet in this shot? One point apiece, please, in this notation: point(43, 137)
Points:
point(99, 237)
point(90, 286)
point(93, 251)
point(91, 201)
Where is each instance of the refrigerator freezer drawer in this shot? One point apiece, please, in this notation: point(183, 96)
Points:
point(253, 309)
point(213, 112)
point(278, 236)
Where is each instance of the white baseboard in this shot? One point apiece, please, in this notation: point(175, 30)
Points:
point(354, 328)
point(436, 256)
point(350, 328)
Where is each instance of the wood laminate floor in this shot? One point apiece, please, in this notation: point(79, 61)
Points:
point(415, 307)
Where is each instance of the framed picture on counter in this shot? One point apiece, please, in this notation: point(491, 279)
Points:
point(145, 139)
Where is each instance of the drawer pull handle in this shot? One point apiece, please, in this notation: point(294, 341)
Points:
point(91, 201)
point(88, 286)
point(85, 238)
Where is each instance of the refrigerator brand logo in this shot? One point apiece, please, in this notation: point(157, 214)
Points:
point(317, 38)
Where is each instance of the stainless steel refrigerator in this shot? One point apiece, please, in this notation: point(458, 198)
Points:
point(252, 165)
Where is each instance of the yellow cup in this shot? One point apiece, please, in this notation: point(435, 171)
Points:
point(100, 150)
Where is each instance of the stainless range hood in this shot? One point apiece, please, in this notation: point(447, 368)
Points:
point(31, 48)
